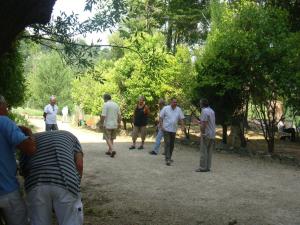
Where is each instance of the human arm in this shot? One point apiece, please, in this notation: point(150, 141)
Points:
point(119, 119)
point(146, 110)
point(28, 146)
point(79, 162)
point(103, 115)
point(203, 122)
point(161, 119)
point(181, 120)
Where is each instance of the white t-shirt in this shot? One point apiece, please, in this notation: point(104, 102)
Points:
point(111, 111)
point(51, 113)
point(65, 110)
point(170, 118)
point(208, 115)
point(280, 126)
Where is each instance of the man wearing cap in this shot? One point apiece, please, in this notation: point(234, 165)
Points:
point(50, 112)
point(11, 137)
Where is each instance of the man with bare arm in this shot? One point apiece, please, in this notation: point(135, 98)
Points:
point(110, 121)
point(52, 179)
point(208, 133)
point(12, 137)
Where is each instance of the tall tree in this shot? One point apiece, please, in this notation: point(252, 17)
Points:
point(243, 55)
point(12, 81)
point(48, 75)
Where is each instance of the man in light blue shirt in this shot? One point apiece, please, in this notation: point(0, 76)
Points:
point(160, 133)
point(12, 137)
point(208, 134)
point(169, 117)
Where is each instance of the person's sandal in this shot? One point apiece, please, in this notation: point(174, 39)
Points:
point(113, 154)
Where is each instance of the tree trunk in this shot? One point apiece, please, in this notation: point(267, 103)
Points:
point(271, 145)
point(224, 133)
point(242, 134)
point(124, 124)
point(169, 36)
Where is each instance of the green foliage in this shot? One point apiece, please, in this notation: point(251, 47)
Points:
point(243, 58)
point(12, 81)
point(48, 75)
point(152, 73)
point(291, 65)
point(88, 90)
point(28, 111)
point(19, 119)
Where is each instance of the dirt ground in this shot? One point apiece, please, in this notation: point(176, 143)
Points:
point(136, 188)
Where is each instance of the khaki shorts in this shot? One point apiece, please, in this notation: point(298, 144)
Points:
point(110, 134)
point(136, 130)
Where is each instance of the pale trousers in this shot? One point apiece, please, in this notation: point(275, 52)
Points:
point(42, 199)
point(207, 146)
point(159, 136)
point(14, 209)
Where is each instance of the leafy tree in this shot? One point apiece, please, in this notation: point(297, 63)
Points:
point(243, 56)
point(156, 74)
point(182, 22)
point(48, 75)
point(12, 81)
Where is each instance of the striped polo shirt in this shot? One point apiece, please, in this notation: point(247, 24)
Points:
point(53, 163)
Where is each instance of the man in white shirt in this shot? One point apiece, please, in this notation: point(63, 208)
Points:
point(50, 112)
point(65, 112)
point(110, 121)
point(169, 117)
point(208, 133)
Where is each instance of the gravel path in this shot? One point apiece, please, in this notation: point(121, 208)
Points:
point(136, 188)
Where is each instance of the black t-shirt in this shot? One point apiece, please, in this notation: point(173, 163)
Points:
point(140, 118)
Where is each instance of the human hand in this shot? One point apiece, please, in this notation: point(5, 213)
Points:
point(26, 130)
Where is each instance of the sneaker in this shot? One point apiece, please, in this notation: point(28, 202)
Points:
point(113, 153)
point(168, 163)
point(152, 153)
point(141, 147)
point(132, 147)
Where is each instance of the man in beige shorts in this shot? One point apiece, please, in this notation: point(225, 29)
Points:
point(110, 121)
point(140, 120)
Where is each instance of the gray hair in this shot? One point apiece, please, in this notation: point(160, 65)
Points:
point(141, 97)
point(2, 100)
point(161, 101)
point(52, 97)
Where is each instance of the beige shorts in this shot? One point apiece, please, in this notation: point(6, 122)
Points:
point(136, 130)
point(110, 134)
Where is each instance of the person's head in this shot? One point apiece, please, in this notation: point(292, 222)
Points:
point(204, 103)
point(3, 106)
point(173, 103)
point(161, 103)
point(141, 100)
point(106, 97)
point(52, 100)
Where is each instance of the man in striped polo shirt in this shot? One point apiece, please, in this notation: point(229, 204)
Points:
point(52, 179)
